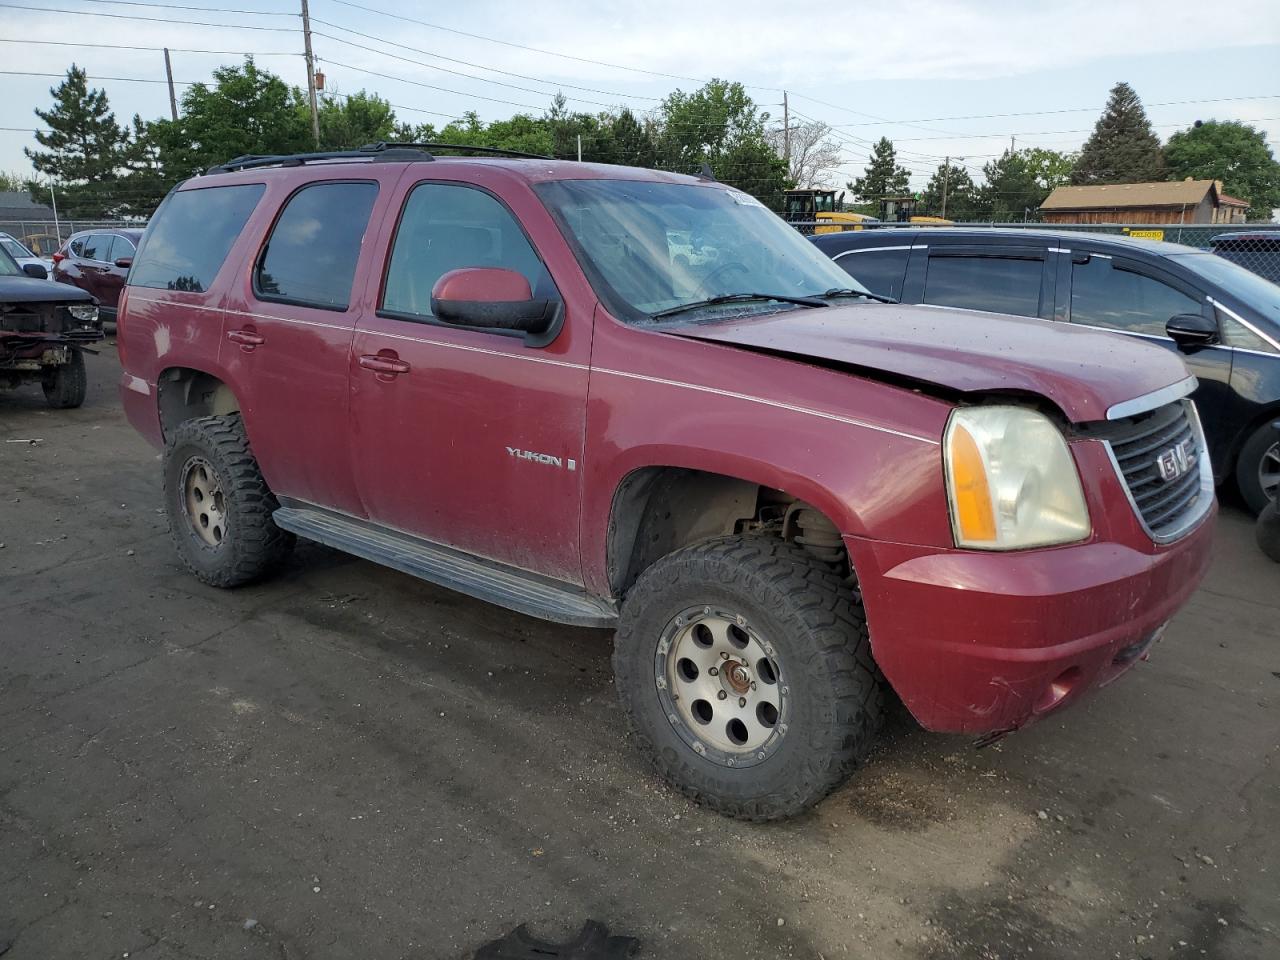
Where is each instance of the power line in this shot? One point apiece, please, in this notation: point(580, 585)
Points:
point(63, 76)
point(467, 63)
point(1041, 113)
point(430, 86)
point(457, 73)
point(130, 46)
point(127, 16)
point(521, 46)
point(182, 6)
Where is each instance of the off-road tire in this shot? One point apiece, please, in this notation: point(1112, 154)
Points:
point(1251, 454)
point(1268, 531)
point(253, 546)
point(66, 384)
point(820, 635)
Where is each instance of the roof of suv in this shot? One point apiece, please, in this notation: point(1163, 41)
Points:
point(534, 170)
point(1155, 247)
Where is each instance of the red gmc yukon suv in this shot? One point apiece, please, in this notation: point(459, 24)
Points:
point(510, 377)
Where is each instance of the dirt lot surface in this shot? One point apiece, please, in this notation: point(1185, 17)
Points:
point(346, 762)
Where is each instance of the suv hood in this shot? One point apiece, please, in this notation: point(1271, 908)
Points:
point(30, 290)
point(1083, 372)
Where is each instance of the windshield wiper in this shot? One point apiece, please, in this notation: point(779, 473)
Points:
point(850, 292)
point(739, 297)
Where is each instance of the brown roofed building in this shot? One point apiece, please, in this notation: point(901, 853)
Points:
point(1177, 201)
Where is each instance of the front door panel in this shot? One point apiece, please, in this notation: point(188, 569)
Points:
point(467, 438)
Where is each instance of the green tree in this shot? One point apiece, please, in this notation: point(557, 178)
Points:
point(84, 148)
point(719, 125)
point(1012, 191)
point(630, 142)
point(1051, 168)
point(143, 183)
point(1230, 151)
point(352, 121)
point(962, 201)
point(882, 177)
point(13, 182)
point(1123, 147)
point(247, 110)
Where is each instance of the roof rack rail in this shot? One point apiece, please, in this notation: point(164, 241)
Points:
point(370, 151)
point(495, 151)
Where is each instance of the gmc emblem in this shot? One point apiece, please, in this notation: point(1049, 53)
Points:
point(1176, 461)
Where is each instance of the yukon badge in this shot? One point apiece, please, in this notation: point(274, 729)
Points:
point(548, 459)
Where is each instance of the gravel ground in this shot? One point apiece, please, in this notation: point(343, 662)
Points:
point(346, 762)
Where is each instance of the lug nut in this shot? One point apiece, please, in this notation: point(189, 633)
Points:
point(721, 695)
point(714, 671)
point(753, 684)
point(723, 655)
point(742, 701)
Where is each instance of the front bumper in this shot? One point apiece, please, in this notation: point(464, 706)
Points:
point(979, 642)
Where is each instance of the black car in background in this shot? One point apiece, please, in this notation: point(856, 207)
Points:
point(1224, 319)
point(1256, 250)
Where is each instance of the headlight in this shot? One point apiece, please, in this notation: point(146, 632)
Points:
point(84, 312)
point(1011, 480)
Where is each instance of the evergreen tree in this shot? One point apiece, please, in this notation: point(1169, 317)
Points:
point(1122, 148)
point(1013, 191)
point(883, 177)
point(84, 148)
point(961, 195)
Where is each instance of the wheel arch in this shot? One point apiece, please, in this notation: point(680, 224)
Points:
point(186, 393)
point(660, 507)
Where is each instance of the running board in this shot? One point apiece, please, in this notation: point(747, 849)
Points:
point(488, 580)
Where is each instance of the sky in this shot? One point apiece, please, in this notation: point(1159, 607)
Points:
point(955, 78)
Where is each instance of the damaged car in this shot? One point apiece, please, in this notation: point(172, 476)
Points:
point(505, 375)
point(45, 329)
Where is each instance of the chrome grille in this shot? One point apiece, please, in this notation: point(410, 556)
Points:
point(1167, 507)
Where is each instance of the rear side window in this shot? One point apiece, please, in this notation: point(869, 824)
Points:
point(310, 257)
point(97, 246)
point(999, 284)
point(121, 247)
point(1104, 295)
point(446, 227)
point(191, 235)
point(880, 271)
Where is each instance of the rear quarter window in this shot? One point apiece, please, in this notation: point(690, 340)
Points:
point(191, 235)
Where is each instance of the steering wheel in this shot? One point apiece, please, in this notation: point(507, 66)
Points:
point(724, 268)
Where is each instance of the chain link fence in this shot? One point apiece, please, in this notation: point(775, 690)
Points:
point(1254, 246)
point(43, 237)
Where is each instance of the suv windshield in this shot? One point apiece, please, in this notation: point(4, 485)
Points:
point(1259, 293)
point(650, 247)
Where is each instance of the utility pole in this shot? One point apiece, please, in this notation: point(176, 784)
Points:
point(311, 73)
point(579, 148)
point(168, 72)
point(946, 176)
point(57, 227)
point(786, 131)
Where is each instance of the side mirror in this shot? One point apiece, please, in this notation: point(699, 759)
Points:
point(35, 271)
point(124, 262)
point(1190, 330)
point(490, 297)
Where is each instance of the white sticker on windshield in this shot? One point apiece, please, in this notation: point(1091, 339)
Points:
point(743, 199)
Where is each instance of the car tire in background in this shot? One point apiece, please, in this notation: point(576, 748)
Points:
point(1268, 531)
point(65, 385)
point(218, 505)
point(1258, 467)
point(744, 667)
